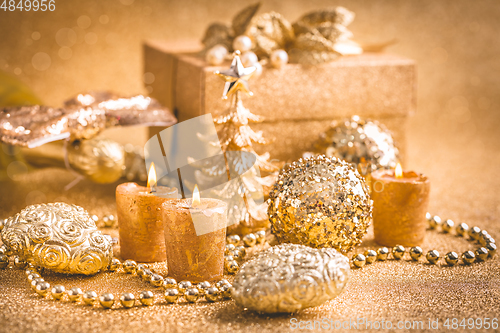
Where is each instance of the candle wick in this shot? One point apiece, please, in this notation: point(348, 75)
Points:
point(153, 187)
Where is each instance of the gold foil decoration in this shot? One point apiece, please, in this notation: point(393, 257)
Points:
point(59, 237)
point(289, 278)
point(320, 202)
point(243, 19)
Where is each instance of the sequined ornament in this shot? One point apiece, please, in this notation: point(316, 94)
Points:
point(59, 237)
point(320, 202)
point(364, 143)
point(290, 277)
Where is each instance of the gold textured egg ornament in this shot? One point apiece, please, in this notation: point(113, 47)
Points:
point(320, 202)
point(59, 237)
point(289, 277)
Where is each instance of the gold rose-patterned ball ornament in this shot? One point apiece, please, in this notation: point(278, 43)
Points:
point(59, 237)
point(290, 277)
point(320, 202)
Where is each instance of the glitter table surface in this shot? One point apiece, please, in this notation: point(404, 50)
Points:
point(464, 187)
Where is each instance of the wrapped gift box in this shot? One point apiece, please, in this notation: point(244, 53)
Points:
point(298, 102)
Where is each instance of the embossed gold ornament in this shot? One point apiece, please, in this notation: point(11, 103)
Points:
point(290, 277)
point(320, 202)
point(60, 237)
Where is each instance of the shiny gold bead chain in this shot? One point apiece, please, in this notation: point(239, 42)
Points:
point(487, 247)
point(234, 252)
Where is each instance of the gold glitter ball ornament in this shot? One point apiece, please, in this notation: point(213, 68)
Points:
point(320, 202)
point(290, 277)
point(59, 237)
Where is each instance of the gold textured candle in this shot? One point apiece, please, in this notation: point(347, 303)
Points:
point(195, 236)
point(399, 206)
point(140, 223)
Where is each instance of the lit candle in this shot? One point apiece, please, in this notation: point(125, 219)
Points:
point(140, 223)
point(195, 235)
point(399, 206)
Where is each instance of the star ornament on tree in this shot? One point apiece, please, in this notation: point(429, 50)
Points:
point(236, 77)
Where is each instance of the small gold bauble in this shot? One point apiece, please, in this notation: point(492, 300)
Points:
point(398, 252)
point(147, 298)
point(237, 255)
point(278, 58)
point(36, 281)
point(183, 286)
point(447, 226)
point(33, 276)
point(242, 43)
point(468, 257)
point(249, 240)
point(169, 283)
point(212, 294)
point(19, 262)
point(242, 249)
point(221, 283)
point(492, 249)
point(156, 280)
point(191, 295)
point(42, 288)
point(75, 294)
point(172, 295)
point(261, 236)
point(225, 291)
point(481, 254)
point(382, 254)
point(58, 292)
point(28, 271)
point(4, 261)
point(203, 286)
point(146, 274)
point(90, 297)
point(232, 267)
point(129, 266)
point(233, 239)
point(114, 265)
point(416, 252)
point(432, 256)
point(359, 260)
point(434, 222)
point(107, 300)
point(462, 229)
point(474, 233)
point(249, 59)
point(371, 256)
point(229, 248)
point(451, 258)
point(127, 300)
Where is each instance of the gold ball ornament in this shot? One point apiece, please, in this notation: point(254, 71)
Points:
point(278, 58)
point(359, 260)
point(249, 59)
point(447, 226)
point(451, 258)
point(242, 249)
point(203, 286)
point(249, 240)
point(75, 294)
point(242, 43)
point(215, 56)
point(434, 222)
point(225, 291)
point(183, 286)
point(320, 202)
point(231, 267)
point(382, 254)
point(474, 233)
point(147, 298)
point(212, 294)
point(28, 271)
point(261, 236)
point(432, 256)
point(229, 248)
point(36, 281)
point(130, 266)
point(4, 261)
point(32, 276)
point(169, 283)
point(114, 265)
point(156, 280)
point(481, 254)
point(462, 229)
point(58, 292)
point(107, 300)
point(90, 297)
point(19, 262)
point(468, 257)
point(146, 274)
point(127, 300)
point(398, 252)
point(233, 239)
point(492, 249)
point(42, 288)
point(222, 282)
point(416, 252)
point(191, 295)
point(172, 295)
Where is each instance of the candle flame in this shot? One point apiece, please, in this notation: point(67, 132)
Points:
point(399, 171)
point(196, 197)
point(152, 178)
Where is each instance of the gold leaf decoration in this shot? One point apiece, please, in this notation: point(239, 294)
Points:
point(269, 32)
point(243, 19)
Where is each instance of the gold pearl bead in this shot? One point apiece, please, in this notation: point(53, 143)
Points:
point(42, 288)
point(156, 280)
point(129, 266)
point(432, 256)
point(492, 249)
point(127, 300)
point(249, 240)
point(4, 249)
point(109, 221)
point(203, 286)
point(228, 258)
point(19, 262)
point(212, 294)
point(90, 297)
point(4, 261)
point(242, 249)
point(225, 291)
point(169, 283)
point(232, 267)
point(462, 229)
point(172, 295)
point(451, 258)
point(33, 276)
point(233, 239)
point(481, 254)
point(398, 252)
point(261, 236)
point(183, 286)
point(36, 281)
point(468, 257)
point(229, 248)
point(147, 298)
point(57, 292)
point(236, 255)
point(416, 252)
point(447, 226)
point(221, 283)
point(370, 256)
point(474, 233)
point(249, 59)
point(382, 254)
point(107, 300)
point(191, 295)
point(114, 265)
point(75, 294)
point(278, 58)
point(146, 274)
point(242, 43)
point(434, 222)
point(359, 260)
point(215, 55)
